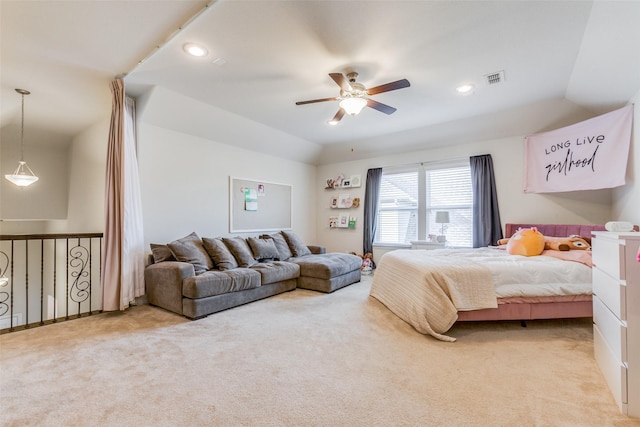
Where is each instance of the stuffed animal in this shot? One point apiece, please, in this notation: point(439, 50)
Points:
point(367, 262)
point(567, 243)
point(572, 242)
point(526, 242)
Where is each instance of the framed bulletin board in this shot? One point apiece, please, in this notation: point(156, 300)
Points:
point(259, 206)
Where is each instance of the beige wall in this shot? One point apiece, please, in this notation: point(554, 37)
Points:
point(626, 199)
point(185, 184)
point(47, 198)
point(584, 207)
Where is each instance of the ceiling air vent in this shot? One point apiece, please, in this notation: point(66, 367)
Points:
point(495, 78)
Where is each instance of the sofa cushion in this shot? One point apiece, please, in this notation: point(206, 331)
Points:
point(277, 271)
point(161, 253)
point(240, 250)
point(190, 249)
point(284, 253)
point(263, 249)
point(216, 282)
point(222, 257)
point(327, 266)
point(297, 246)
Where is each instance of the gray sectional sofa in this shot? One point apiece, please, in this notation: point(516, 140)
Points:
point(196, 277)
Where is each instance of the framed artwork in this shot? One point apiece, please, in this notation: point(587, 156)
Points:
point(356, 180)
point(344, 201)
point(343, 221)
point(346, 183)
point(333, 202)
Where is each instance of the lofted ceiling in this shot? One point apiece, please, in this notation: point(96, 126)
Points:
point(266, 55)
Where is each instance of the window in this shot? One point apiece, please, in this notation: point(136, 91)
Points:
point(410, 198)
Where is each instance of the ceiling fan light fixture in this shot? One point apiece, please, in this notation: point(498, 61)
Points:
point(353, 105)
point(194, 49)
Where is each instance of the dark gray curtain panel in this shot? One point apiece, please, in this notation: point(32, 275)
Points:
point(487, 229)
point(371, 201)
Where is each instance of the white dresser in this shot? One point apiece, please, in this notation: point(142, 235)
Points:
point(616, 315)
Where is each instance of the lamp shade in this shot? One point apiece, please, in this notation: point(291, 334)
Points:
point(353, 106)
point(442, 217)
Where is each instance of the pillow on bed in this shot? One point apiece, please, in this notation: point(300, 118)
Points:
point(526, 242)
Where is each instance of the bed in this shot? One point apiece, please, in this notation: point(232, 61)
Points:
point(431, 290)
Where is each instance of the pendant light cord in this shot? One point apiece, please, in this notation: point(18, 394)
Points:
point(22, 132)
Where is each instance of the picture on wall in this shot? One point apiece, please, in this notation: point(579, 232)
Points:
point(356, 180)
point(343, 221)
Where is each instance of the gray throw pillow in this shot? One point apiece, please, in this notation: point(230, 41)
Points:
point(297, 246)
point(263, 248)
point(220, 254)
point(284, 253)
point(161, 253)
point(240, 250)
point(190, 249)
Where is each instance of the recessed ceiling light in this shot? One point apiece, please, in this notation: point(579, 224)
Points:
point(465, 89)
point(195, 49)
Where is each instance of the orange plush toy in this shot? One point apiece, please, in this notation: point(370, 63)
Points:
point(526, 242)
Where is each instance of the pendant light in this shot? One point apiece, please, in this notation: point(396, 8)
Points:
point(23, 176)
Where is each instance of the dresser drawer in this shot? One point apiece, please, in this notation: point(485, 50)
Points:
point(608, 256)
point(611, 292)
point(613, 330)
point(612, 369)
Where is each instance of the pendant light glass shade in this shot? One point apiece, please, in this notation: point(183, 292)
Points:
point(23, 176)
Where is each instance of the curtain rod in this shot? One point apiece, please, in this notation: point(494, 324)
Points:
point(455, 159)
point(169, 38)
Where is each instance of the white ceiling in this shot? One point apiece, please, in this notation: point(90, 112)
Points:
point(278, 52)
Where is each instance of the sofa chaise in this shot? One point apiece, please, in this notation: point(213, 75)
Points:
point(196, 277)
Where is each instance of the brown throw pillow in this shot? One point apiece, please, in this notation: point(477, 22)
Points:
point(220, 254)
point(190, 249)
point(240, 250)
point(263, 249)
point(161, 253)
point(297, 246)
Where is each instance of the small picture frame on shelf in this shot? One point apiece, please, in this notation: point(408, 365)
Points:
point(343, 221)
point(346, 183)
point(355, 181)
point(333, 202)
point(344, 201)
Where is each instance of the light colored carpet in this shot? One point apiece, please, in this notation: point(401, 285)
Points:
point(301, 359)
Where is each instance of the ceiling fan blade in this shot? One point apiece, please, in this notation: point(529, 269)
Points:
point(311, 101)
point(342, 81)
point(398, 84)
point(384, 108)
point(337, 117)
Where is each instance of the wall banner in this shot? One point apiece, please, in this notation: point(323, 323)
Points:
point(585, 156)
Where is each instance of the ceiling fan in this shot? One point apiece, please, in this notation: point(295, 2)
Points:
point(353, 96)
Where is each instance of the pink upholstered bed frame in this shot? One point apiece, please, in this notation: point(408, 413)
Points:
point(530, 309)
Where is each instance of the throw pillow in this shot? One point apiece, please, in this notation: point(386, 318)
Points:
point(297, 246)
point(219, 253)
point(284, 253)
point(161, 253)
point(241, 251)
point(263, 248)
point(190, 249)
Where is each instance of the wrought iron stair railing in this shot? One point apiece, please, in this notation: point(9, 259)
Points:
point(47, 278)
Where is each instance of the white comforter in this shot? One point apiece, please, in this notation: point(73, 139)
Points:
point(427, 288)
